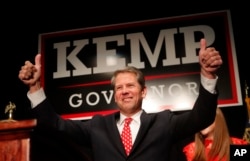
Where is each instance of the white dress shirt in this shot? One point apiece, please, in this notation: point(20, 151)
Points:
point(134, 125)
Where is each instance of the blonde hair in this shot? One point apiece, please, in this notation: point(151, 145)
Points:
point(221, 141)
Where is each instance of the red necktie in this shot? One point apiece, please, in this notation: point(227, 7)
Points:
point(126, 136)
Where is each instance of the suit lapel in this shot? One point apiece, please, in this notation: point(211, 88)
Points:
point(114, 133)
point(146, 121)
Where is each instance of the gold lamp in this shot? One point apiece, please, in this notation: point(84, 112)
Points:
point(247, 101)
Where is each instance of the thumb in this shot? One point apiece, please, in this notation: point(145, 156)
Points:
point(38, 60)
point(203, 44)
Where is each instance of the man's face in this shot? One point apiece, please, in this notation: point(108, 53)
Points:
point(128, 93)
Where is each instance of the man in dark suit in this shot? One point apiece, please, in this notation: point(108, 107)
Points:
point(152, 134)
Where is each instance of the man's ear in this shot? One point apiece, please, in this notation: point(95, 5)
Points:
point(144, 92)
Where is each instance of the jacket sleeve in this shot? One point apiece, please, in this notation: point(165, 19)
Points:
point(200, 116)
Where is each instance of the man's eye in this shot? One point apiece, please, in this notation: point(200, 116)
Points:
point(131, 85)
point(118, 88)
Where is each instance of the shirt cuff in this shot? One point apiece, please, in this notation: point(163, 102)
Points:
point(36, 97)
point(209, 84)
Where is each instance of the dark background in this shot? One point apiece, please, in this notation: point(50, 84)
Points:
point(22, 23)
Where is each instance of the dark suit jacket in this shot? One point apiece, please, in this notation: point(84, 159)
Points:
point(155, 138)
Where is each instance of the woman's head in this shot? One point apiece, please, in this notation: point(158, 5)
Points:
point(218, 127)
point(218, 133)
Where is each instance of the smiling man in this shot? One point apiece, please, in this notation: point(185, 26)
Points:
point(153, 134)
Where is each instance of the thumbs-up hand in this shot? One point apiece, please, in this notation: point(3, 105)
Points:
point(210, 60)
point(30, 73)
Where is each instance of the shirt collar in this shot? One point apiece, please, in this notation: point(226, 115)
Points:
point(135, 117)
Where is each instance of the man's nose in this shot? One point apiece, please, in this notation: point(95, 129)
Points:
point(124, 90)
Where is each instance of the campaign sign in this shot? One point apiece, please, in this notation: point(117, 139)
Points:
point(78, 64)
